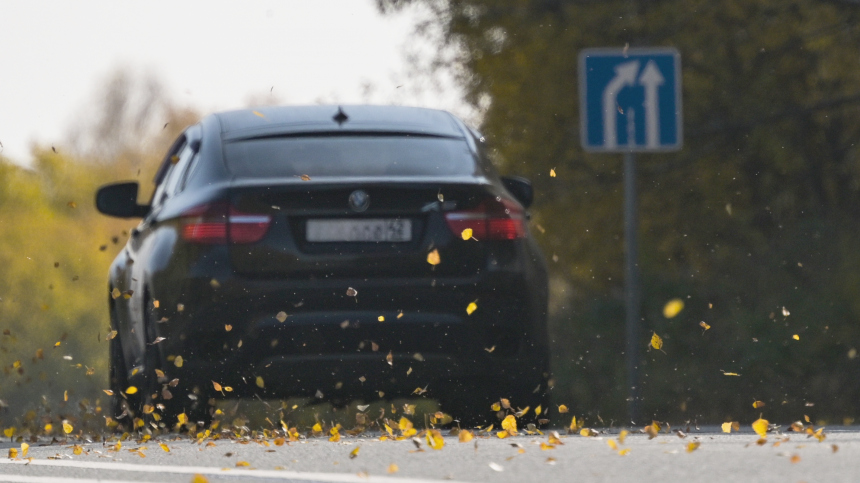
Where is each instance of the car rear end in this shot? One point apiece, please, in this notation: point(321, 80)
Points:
point(349, 265)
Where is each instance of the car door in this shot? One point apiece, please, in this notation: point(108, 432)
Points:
point(139, 248)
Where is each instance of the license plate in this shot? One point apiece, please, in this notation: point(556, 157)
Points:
point(366, 230)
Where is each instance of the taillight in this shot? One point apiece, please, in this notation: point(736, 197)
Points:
point(220, 223)
point(493, 219)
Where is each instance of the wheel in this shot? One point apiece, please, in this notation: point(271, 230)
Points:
point(155, 388)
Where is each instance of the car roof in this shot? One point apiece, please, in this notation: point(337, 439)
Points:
point(271, 121)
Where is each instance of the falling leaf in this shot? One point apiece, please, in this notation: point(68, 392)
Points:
point(72, 204)
point(198, 478)
point(392, 468)
point(158, 339)
point(472, 307)
point(258, 114)
point(282, 316)
point(24, 448)
point(182, 419)
point(260, 383)
point(78, 450)
point(465, 436)
point(704, 325)
point(389, 359)
point(588, 433)
point(693, 446)
point(164, 447)
point(351, 292)
point(496, 407)
point(433, 257)
point(13, 453)
point(785, 312)
point(760, 427)
point(335, 435)
point(66, 396)
point(466, 234)
point(795, 337)
point(354, 453)
point(552, 173)
point(178, 361)
point(834, 447)
point(131, 390)
point(496, 467)
point(727, 427)
point(673, 308)
point(242, 463)
point(217, 386)
point(610, 442)
point(538, 410)
point(115, 293)
point(795, 459)
point(758, 404)
point(510, 424)
point(656, 341)
point(729, 373)
point(622, 436)
point(381, 318)
point(305, 177)
point(435, 439)
point(67, 428)
point(228, 327)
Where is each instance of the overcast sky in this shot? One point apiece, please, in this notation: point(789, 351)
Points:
point(213, 55)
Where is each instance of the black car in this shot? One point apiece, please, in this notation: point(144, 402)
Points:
point(344, 253)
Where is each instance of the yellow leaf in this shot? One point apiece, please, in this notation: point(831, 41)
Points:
point(795, 459)
point(544, 446)
point(795, 337)
point(335, 435)
point(693, 446)
point(242, 463)
point(281, 316)
point(510, 424)
point(258, 114)
point(624, 452)
point(538, 410)
point(760, 427)
point(217, 386)
point(731, 374)
point(465, 436)
point(182, 419)
point(562, 409)
point(622, 436)
point(467, 233)
point(673, 308)
point(260, 383)
point(656, 341)
point(502, 434)
point(317, 428)
point(228, 327)
point(435, 439)
point(404, 424)
point(704, 325)
point(587, 432)
point(178, 361)
point(13, 453)
point(131, 390)
point(115, 293)
point(433, 257)
point(77, 449)
point(67, 428)
point(552, 173)
point(496, 407)
point(758, 404)
point(24, 448)
point(472, 307)
point(164, 447)
point(727, 427)
point(228, 388)
point(198, 478)
point(9, 432)
point(49, 427)
point(111, 334)
point(381, 318)
point(392, 468)
point(354, 453)
point(611, 443)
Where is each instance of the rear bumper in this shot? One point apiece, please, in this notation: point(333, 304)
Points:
point(328, 339)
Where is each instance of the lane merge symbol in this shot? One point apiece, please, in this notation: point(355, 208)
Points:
point(630, 100)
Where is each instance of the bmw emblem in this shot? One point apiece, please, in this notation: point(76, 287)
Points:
point(359, 200)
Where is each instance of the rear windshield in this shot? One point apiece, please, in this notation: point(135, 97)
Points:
point(326, 156)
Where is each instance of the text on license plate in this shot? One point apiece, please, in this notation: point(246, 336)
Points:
point(366, 230)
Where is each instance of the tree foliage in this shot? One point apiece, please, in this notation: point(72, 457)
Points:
point(759, 211)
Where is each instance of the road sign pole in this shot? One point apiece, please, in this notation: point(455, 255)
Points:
point(632, 290)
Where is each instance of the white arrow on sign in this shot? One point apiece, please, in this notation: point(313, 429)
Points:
point(625, 75)
point(651, 79)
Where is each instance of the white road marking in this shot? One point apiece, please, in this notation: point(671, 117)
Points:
point(54, 479)
point(203, 470)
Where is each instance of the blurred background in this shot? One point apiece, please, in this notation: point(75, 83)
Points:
point(753, 225)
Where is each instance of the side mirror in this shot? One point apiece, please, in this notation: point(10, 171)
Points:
point(120, 200)
point(521, 188)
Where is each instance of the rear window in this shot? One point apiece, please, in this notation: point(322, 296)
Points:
point(328, 156)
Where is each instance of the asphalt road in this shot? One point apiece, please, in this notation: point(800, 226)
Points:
point(789, 457)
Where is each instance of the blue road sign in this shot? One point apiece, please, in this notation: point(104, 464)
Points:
point(630, 100)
